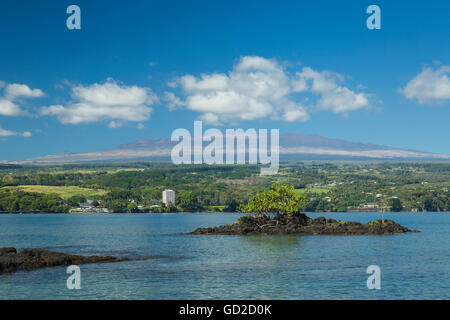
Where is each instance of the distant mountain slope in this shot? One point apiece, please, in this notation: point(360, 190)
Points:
point(297, 139)
point(292, 146)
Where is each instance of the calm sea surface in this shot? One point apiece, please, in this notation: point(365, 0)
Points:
point(413, 266)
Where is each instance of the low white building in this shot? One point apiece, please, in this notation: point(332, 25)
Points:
point(168, 197)
point(369, 205)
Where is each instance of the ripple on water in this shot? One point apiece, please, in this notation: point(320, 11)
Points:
point(414, 266)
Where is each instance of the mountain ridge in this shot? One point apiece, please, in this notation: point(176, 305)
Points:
point(292, 145)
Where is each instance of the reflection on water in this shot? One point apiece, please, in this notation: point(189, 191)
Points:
point(271, 242)
point(273, 246)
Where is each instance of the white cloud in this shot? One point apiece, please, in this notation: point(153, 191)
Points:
point(15, 90)
point(140, 126)
point(332, 96)
point(8, 108)
point(12, 92)
point(172, 84)
point(429, 86)
point(115, 124)
point(258, 88)
point(107, 101)
point(295, 115)
point(8, 133)
point(173, 102)
point(210, 118)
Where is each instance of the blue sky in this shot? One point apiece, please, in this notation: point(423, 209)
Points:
point(140, 69)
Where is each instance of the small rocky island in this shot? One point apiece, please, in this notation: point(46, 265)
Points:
point(30, 259)
point(299, 224)
point(277, 211)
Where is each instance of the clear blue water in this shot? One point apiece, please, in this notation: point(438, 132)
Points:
point(413, 266)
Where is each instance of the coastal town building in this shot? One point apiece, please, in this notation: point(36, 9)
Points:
point(369, 205)
point(89, 210)
point(168, 197)
point(365, 207)
point(88, 207)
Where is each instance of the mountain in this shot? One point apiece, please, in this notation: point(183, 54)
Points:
point(293, 146)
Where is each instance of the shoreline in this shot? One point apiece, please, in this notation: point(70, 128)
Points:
point(215, 212)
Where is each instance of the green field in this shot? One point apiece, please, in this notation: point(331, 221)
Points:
point(62, 191)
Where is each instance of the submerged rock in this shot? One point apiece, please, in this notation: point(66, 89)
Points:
point(29, 259)
point(302, 224)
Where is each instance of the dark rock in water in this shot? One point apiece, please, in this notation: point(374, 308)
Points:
point(302, 224)
point(7, 250)
point(29, 259)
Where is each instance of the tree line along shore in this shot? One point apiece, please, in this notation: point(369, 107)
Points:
point(137, 187)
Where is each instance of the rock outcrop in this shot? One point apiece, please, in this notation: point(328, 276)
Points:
point(302, 224)
point(29, 259)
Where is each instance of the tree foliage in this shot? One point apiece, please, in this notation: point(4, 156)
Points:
point(280, 199)
point(396, 205)
point(328, 187)
point(188, 201)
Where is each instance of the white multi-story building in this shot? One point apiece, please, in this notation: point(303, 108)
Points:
point(168, 196)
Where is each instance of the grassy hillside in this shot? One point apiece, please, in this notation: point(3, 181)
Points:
point(64, 192)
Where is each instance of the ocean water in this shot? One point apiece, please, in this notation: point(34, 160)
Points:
point(413, 265)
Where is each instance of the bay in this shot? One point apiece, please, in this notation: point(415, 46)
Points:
point(413, 265)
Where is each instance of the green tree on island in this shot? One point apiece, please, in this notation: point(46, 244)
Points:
point(280, 199)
